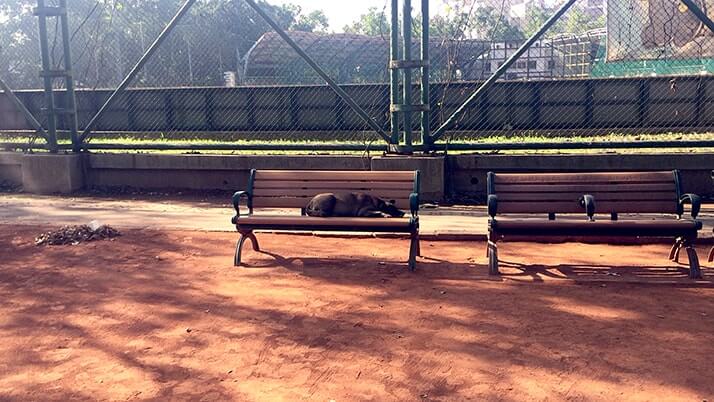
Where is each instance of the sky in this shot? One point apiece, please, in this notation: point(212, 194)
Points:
point(343, 12)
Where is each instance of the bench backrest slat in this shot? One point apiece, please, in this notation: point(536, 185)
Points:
point(294, 188)
point(645, 192)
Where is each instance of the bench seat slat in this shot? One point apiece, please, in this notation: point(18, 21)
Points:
point(583, 188)
point(665, 197)
point(574, 207)
point(309, 222)
point(300, 202)
point(319, 175)
point(578, 178)
point(381, 193)
point(333, 186)
point(570, 227)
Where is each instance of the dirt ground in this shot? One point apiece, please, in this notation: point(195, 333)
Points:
point(164, 315)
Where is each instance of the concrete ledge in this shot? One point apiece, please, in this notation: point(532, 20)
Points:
point(50, 174)
point(466, 174)
point(11, 169)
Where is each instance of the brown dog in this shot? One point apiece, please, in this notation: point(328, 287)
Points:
point(351, 205)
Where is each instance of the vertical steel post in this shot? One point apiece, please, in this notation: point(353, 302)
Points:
point(393, 72)
point(70, 100)
point(49, 93)
point(425, 90)
point(407, 73)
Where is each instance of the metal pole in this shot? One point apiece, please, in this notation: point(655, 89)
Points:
point(70, 100)
point(393, 72)
point(407, 72)
point(501, 70)
point(49, 94)
point(425, 90)
point(21, 107)
point(330, 82)
point(699, 13)
point(139, 65)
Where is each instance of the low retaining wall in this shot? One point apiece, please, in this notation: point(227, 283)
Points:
point(466, 178)
point(461, 178)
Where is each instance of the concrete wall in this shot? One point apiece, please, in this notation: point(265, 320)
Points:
point(466, 174)
point(618, 104)
point(215, 172)
point(461, 178)
point(10, 169)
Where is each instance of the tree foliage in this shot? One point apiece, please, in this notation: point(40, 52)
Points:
point(109, 37)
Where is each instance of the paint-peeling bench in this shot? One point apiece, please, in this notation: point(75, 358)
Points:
point(588, 194)
point(294, 188)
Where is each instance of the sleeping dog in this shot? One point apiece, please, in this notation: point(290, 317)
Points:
point(351, 205)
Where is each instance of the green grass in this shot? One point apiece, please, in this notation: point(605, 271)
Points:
point(181, 139)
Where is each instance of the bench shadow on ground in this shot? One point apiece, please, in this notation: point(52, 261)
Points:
point(132, 295)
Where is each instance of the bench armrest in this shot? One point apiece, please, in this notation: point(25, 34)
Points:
point(492, 202)
point(692, 199)
point(587, 201)
point(236, 202)
point(414, 204)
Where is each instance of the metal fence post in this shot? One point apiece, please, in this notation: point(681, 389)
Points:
point(49, 92)
point(425, 90)
point(439, 132)
point(70, 100)
point(394, 73)
point(407, 73)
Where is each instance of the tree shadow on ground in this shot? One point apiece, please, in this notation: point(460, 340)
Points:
point(297, 327)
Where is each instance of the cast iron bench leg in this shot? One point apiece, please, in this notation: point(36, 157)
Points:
point(492, 258)
point(694, 271)
point(239, 245)
point(413, 250)
point(711, 255)
point(674, 252)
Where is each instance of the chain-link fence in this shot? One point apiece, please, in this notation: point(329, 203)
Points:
point(223, 76)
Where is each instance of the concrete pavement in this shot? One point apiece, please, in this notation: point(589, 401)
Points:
point(213, 214)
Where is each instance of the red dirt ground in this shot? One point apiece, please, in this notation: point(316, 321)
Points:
point(165, 316)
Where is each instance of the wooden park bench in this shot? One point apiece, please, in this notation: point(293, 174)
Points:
point(294, 188)
point(587, 195)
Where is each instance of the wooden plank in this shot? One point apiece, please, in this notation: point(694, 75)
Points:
point(301, 202)
point(670, 197)
point(381, 193)
point(583, 188)
point(600, 207)
point(579, 178)
point(323, 175)
point(335, 185)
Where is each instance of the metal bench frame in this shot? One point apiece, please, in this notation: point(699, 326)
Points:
point(684, 234)
point(336, 224)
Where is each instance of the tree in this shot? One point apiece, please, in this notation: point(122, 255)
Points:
point(316, 21)
point(576, 21)
point(492, 24)
point(373, 23)
point(109, 36)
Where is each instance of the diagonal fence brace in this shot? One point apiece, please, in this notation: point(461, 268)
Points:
point(699, 13)
point(439, 132)
point(330, 82)
point(139, 65)
point(23, 109)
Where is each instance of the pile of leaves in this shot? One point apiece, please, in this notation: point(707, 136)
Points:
point(75, 235)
